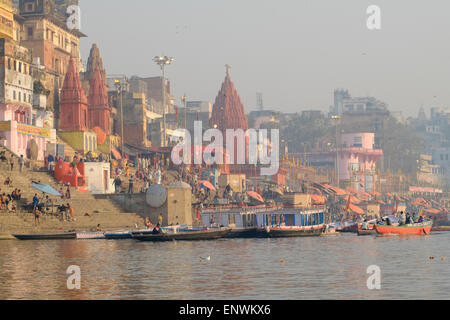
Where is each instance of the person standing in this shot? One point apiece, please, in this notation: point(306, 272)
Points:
point(160, 219)
point(21, 162)
point(130, 184)
point(11, 162)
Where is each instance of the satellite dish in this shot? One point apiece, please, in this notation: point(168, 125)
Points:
point(156, 196)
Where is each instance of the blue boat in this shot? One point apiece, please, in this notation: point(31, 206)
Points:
point(118, 235)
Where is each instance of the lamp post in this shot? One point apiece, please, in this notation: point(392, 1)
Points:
point(162, 61)
point(184, 100)
point(337, 118)
point(119, 87)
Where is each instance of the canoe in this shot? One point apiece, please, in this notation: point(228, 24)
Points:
point(51, 236)
point(90, 235)
point(182, 236)
point(419, 229)
point(287, 232)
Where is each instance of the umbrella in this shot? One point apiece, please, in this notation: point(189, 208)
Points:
point(255, 196)
point(208, 185)
point(356, 209)
point(45, 188)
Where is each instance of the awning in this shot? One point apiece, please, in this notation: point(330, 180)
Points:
point(207, 184)
point(255, 196)
point(116, 153)
point(317, 199)
point(356, 209)
point(45, 188)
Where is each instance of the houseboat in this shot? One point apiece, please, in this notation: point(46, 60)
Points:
point(267, 222)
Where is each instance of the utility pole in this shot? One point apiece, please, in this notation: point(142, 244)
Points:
point(184, 100)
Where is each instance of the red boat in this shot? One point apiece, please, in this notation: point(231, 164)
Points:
point(419, 229)
point(440, 229)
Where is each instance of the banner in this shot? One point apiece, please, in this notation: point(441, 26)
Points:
point(33, 131)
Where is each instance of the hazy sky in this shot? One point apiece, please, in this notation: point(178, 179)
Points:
point(293, 51)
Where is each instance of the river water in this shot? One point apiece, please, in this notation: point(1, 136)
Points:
point(333, 267)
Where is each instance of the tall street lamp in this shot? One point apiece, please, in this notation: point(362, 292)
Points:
point(184, 100)
point(163, 61)
point(120, 87)
point(337, 118)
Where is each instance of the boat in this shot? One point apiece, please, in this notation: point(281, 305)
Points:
point(118, 235)
point(370, 228)
point(293, 231)
point(267, 222)
point(367, 232)
point(441, 228)
point(419, 229)
point(292, 222)
point(90, 235)
point(209, 234)
point(50, 236)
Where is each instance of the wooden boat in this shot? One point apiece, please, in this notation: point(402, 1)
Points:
point(442, 228)
point(118, 235)
point(362, 232)
point(182, 236)
point(90, 235)
point(419, 229)
point(51, 236)
point(287, 232)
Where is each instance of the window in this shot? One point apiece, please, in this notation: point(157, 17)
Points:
point(20, 96)
point(29, 7)
point(30, 32)
point(20, 66)
point(9, 64)
point(357, 142)
point(14, 95)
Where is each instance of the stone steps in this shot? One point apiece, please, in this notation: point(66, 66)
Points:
point(104, 212)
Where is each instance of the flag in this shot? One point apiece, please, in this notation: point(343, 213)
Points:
point(396, 206)
point(347, 207)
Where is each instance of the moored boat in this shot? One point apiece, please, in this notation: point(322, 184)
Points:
point(293, 231)
point(441, 228)
point(90, 235)
point(367, 232)
point(419, 229)
point(183, 236)
point(50, 236)
point(118, 235)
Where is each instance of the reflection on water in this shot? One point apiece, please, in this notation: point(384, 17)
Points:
point(314, 268)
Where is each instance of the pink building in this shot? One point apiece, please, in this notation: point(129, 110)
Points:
point(16, 97)
point(357, 160)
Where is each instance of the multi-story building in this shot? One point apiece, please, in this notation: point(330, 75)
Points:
point(44, 30)
point(343, 102)
point(356, 159)
point(16, 100)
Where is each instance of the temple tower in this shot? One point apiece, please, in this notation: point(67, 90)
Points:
point(73, 103)
point(99, 111)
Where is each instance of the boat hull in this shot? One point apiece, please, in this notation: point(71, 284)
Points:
point(286, 232)
point(118, 235)
point(369, 232)
point(90, 235)
point(421, 229)
point(244, 233)
point(437, 229)
point(182, 236)
point(55, 236)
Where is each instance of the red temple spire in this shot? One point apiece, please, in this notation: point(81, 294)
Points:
point(99, 112)
point(73, 102)
point(228, 110)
